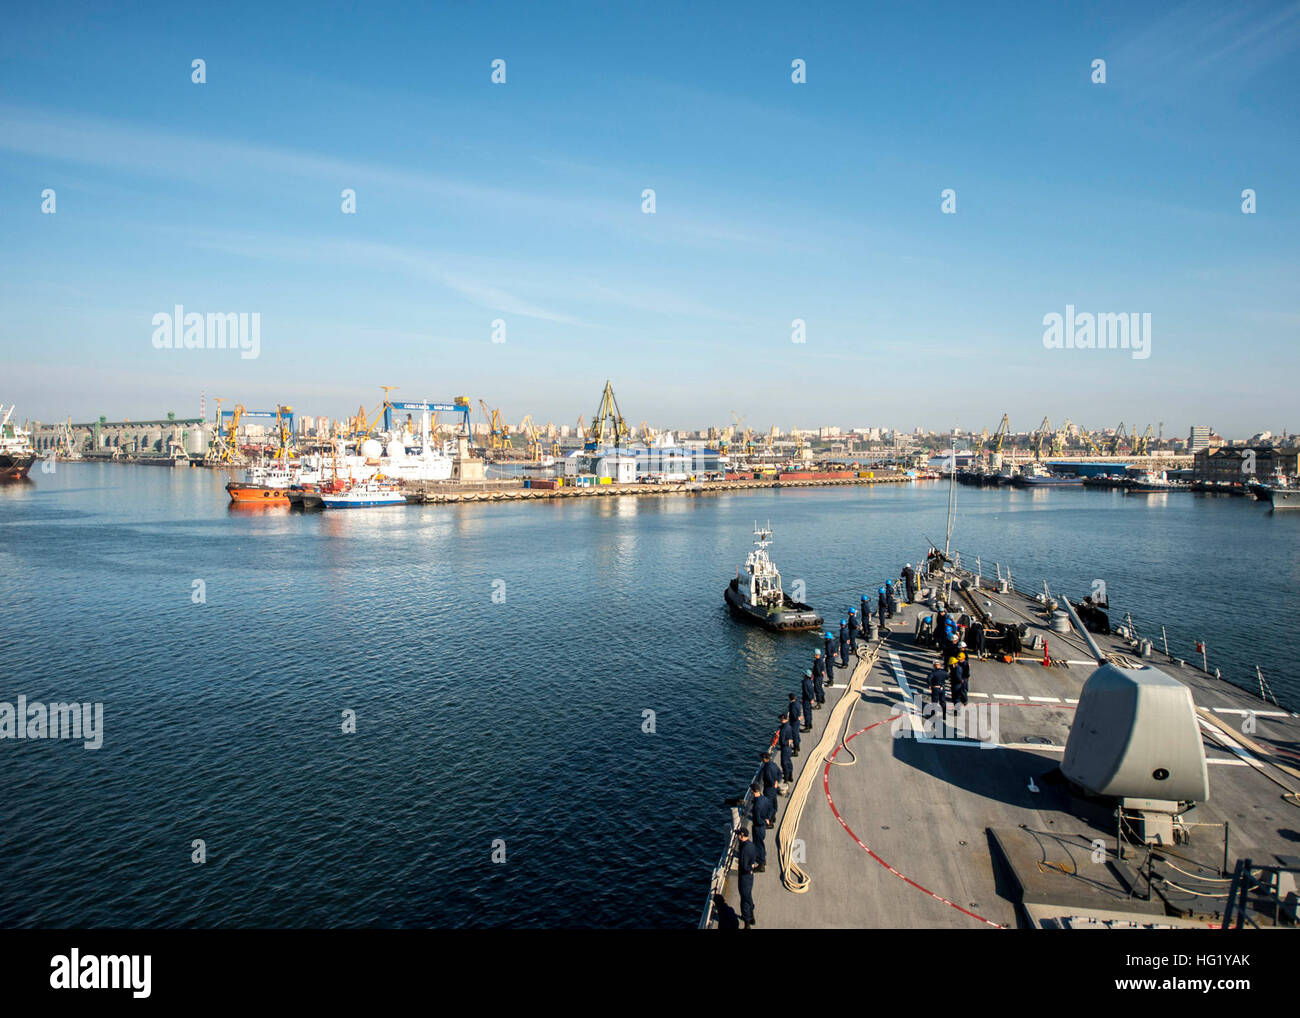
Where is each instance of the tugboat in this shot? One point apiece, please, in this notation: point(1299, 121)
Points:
point(1150, 482)
point(755, 595)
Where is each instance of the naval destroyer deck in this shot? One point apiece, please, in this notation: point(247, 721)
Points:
point(946, 832)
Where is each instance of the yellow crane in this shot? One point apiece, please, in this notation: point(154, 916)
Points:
point(1059, 438)
point(222, 449)
point(1090, 443)
point(496, 436)
point(1040, 436)
point(1117, 439)
point(1141, 445)
point(1000, 435)
point(533, 445)
point(284, 432)
point(607, 424)
point(364, 423)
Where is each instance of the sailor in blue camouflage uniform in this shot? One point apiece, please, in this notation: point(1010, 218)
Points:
point(829, 658)
point(796, 720)
point(809, 692)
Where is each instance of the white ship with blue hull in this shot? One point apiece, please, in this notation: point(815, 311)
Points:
point(368, 495)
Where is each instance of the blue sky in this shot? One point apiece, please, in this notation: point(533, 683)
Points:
point(774, 201)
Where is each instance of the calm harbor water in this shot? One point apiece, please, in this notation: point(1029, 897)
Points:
point(517, 717)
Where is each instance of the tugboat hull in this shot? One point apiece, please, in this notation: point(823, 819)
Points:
point(793, 616)
point(244, 494)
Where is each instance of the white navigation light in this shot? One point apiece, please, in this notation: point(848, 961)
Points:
point(1136, 735)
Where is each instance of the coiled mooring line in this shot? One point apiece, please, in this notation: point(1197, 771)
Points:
point(792, 875)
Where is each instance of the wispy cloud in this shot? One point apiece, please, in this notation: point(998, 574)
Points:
point(1199, 41)
point(356, 253)
point(229, 164)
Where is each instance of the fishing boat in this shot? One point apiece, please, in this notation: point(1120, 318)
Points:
point(755, 594)
point(364, 495)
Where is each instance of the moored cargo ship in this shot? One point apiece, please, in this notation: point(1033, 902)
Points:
point(16, 451)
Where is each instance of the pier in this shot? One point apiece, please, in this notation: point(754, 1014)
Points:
point(450, 493)
point(887, 825)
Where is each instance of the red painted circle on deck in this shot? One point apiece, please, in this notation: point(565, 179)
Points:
point(826, 787)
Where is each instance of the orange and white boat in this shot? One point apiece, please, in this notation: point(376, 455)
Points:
point(244, 493)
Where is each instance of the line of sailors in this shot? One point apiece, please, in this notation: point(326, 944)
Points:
point(797, 718)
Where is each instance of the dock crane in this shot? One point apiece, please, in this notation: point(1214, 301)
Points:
point(533, 444)
point(607, 424)
point(225, 450)
point(1059, 438)
point(1040, 436)
point(284, 432)
point(222, 450)
point(1119, 436)
point(1140, 446)
point(496, 437)
point(1090, 443)
point(1000, 435)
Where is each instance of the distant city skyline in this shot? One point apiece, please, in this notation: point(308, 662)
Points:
point(899, 218)
point(309, 418)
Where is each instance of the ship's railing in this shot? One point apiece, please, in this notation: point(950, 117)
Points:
point(1135, 638)
point(718, 883)
point(1261, 887)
